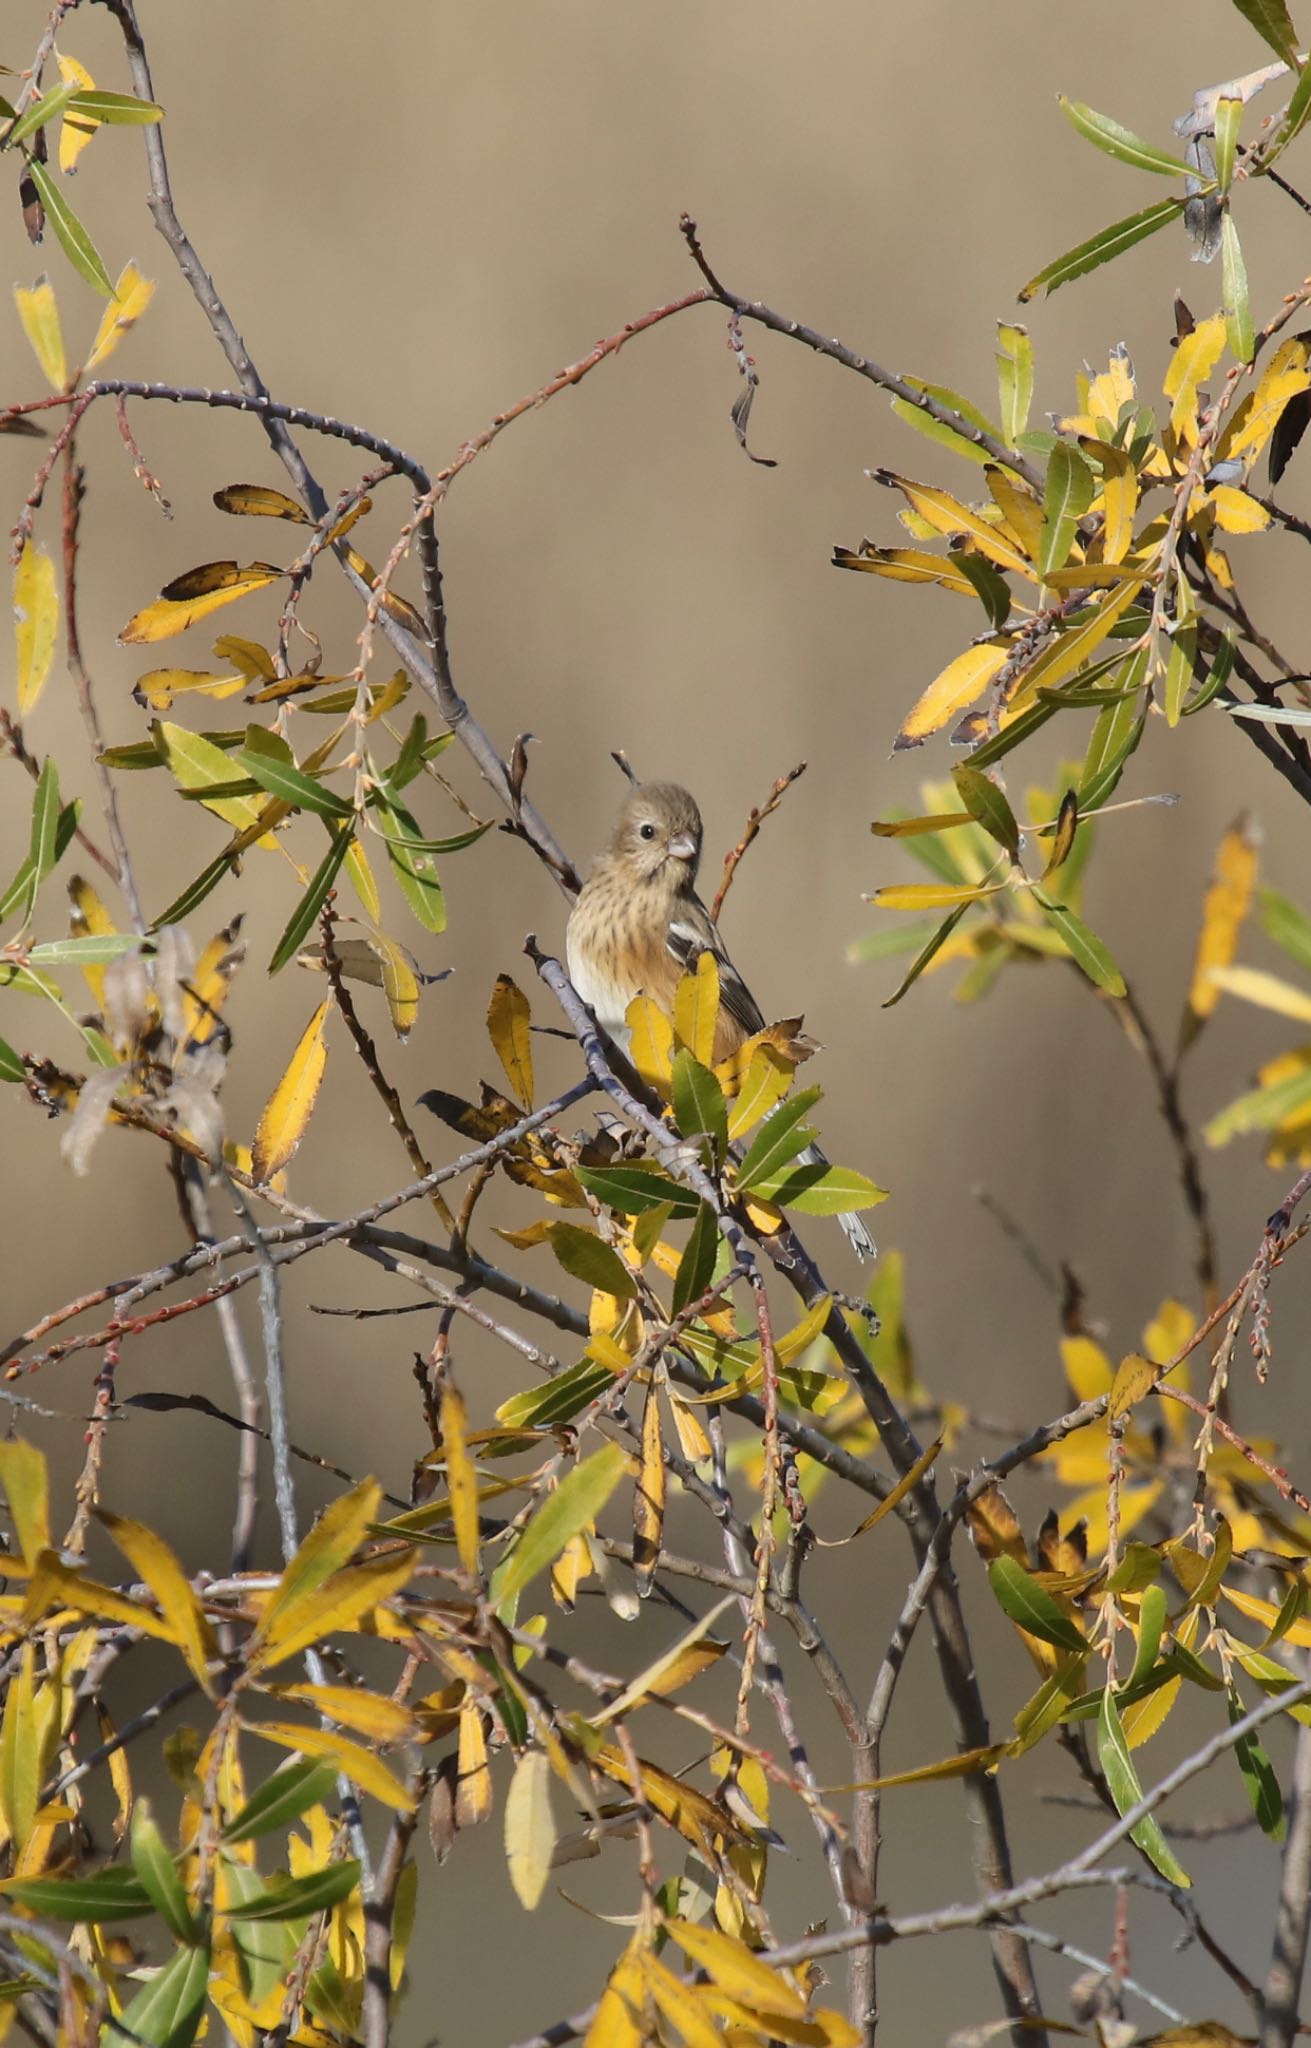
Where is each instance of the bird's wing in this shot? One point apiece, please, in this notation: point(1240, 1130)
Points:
point(692, 933)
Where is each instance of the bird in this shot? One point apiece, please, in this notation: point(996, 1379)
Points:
point(638, 925)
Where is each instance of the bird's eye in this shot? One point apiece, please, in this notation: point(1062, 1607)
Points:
point(648, 830)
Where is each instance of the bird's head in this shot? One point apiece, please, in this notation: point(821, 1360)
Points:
point(658, 834)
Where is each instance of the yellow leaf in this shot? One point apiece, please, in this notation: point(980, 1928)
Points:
point(962, 681)
point(1087, 1368)
point(1071, 650)
point(649, 1494)
point(403, 1017)
point(461, 1477)
point(1134, 1377)
point(510, 1030)
point(1019, 508)
point(1235, 512)
point(1223, 911)
point(683, 1661)
point(159, 1567)
point(930, 895)
point(697, 1819)
point(26, 1484)
point(340, 1604)
point(53, 1583)
point(1271, 991)
point(132, 294)
point(369, 1713)
point(360, 1765)
point(1119, 499)
point(473, 1798)
point(650, 1042)
point(39, 314)
point(731, 1965)
point(207, 987)
point(615, 2023)
point(331, 1541)
point(1298, 1633)
point(1285, 375)
point(910, 1479)
point(257, 501)
point(1112, 388)
point(194, 596)
point(36, 615)
point(906, 565)
point(287, 1111)
point(963, 1765)
point(696, 1009)
point(681, 2005)
point(1192, 362)
point(764, 1082)
point(159, 686)
point(530, 1832)
point(88, 918)
point(1142, 1718)
point(947, 515)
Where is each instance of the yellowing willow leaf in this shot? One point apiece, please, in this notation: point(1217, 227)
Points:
point(339, 1605)
point(461, 1478)
point(576, 1502)
point(696, 1008)
point(1224, 909)
point(510, 1030)
point(329, 1544)
point(39, 315)
point(473, 1799)
point(962, 681)
point(369, 1713)
point(1190, 366)
point(78, 125)
point(530, 1832)
point(258, 501)
point(194, 596)
point(36, 616)
point(159, 1567)
point(360, 1765)
point(650, 1042)
point(26, 1484)
point(930, 895)
point(288, 1109)
point(905, 565)
point(1014, 378)
point(649, 1497)
point(1285, 376)
point(1270, 991)
point(947, 515)
point(733, 1966)
point(1236, 512)
point(1119, 480)
point(132, 294)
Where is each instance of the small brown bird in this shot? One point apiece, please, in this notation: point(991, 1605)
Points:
point(639, 925)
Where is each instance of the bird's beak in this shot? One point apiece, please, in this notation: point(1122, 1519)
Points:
point(683, 847)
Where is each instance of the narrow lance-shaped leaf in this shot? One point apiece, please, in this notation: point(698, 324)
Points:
point(287, 1112)
point(986, 803)
point(780, 1137)
point(36, 617)
point(461, 1477)
point(300, 1898)
point(509, 1027)
point(73, 238)
point(166, 2012)
point(313, 899)
point(649, 1496)
point(577, 1500)
point(1102, 248)
point(1014, 378)
point(530, 1833)
point(1125, 1790)
point(1031, 1607)
point(39, 314)
point(1238, 308)
point(1272, 22)
point(1228, 119)
point(926, 953)
point(1120, 142)
point(1068, 494)
point(1259, 1775)
point(267, 760)
point(1086, 949)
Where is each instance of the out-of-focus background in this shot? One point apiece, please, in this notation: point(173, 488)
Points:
point(416, 215)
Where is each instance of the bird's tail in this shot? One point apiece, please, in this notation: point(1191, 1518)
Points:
point(862, 1244)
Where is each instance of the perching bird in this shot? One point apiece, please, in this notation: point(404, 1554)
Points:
point(639, 925)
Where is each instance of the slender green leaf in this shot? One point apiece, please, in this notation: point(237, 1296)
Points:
point(158, 1873)
point(1262, 1108)
point(180, 909)
point(1228, 120)
point(1289, 927)
point(1086, 949)
point(1295, 115)
point(413, 866)
point(73, 238)
point(281, 1799)
point(1221, 670)
point(300, 1898)
point(987, 803)
point(166, 2012)
point(92, 951)
point(1271, 20)
point(588, 1258)
point(1103, 247)
point(45, 108)
point(105, 1895)
point(635, 1189)
point(932, 945)
point(562, 1397)
point(696, 1268)
point(818, 1189)
point(779, 1139)
point(1151, 1624)
point(699, 1103)
point(11, 1065)
point(268, 760)
point(1014, 378)
point(577, 1500)
point(1258, 1775)
point(1124, 1788)
point(312, 901)
point(1238, 308)
point(1031, 1607)
point(1066, 497)
point(117, 109)
point(1013, 734)
point(1120, 142)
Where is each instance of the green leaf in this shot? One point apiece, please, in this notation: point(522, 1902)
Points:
point(300, 1898)
point(577, 1500)
point(1031, 1607)
point(282, 1799)
point(1121, 143)
point(267, 758)
point(562, 1397)
point(1221, 670)
point(44, 109)
point(1086, 949)
point(1295, 115)
point(93, 951)
point(1289, 927)
point(780, 1137)
point(1066, 497)
point(1228, 119)
point(73, 238)
point(696, 1268)
point(1151, 1624)
point(936, 940)
point(195, 892)
point(105, 1895)
point(987, 803)
point(155, 1867)
point(11, 1066)
point(1270, 19)
point(992, 588)
point(1261, 1108)
point(699, 1104)
point(45, 821)
point(588, 1258)
point(1014, 378)
point(1238, 308)
point(819, 1190)
point(1124, 1788)
point(413, 866)
point(1115, 737)
point(1258, 1775)
point(935, 429)
point(1103, 247)
point(117, 109)
point(635, 1189)
point(167, 2012)
point(312, 901)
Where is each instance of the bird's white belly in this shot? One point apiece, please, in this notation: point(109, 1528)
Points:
point(607, 1001)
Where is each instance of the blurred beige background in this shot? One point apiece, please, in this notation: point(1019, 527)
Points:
point(416, 215)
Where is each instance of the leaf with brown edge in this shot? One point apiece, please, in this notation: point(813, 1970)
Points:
point(905, 565)
point(509, 1026)
point(995, 1528)
point(257, 501)
point(194, 595)
point(1067, 825)
point(697, 1819)
point(1135, 1376)
point(649, 1497)
point(287, 1111)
